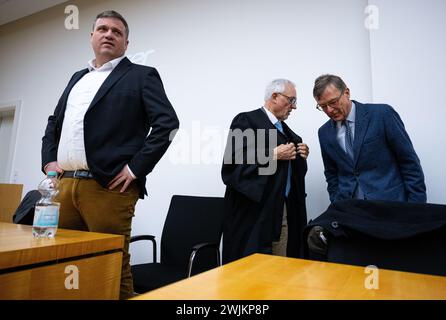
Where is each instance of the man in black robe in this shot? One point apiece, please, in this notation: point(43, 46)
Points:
point(264, 170)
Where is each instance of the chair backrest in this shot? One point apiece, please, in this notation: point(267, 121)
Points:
point(10, 196)
point(190, 220)
point(25, 212)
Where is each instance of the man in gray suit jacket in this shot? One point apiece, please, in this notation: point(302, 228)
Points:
point(366, 150)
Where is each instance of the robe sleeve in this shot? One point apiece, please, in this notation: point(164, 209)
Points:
point(240, 170)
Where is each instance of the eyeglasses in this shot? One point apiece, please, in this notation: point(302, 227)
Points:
point(329, 104)
point(291, 100)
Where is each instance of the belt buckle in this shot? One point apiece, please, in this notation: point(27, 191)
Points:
point(80, 174)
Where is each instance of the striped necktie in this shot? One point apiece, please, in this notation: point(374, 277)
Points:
point(279, 127)
point(348, 138)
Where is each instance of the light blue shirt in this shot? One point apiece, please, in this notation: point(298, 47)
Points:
point(274, 120)
point(340, 136)
point(340, 129)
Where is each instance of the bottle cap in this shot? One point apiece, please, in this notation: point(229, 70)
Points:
point(52, 174)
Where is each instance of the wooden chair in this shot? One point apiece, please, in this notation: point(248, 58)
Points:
point(10, 196)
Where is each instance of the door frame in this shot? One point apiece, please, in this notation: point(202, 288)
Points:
point(8, 106)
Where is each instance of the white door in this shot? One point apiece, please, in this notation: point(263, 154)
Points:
point(8, 129)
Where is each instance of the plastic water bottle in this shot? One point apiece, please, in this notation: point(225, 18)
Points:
point(46, 213)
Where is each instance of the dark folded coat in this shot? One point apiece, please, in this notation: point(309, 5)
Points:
point(389, 234)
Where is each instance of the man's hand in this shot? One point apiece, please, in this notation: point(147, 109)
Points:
point(285, 152)
point(303, 150)
point(122, 177)
point(53, 166)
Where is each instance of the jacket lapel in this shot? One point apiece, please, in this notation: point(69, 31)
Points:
point(361, 124)
point(333, 142)
point(290, 134)
point(267, 124)
point(76, 77)
point(121, 69)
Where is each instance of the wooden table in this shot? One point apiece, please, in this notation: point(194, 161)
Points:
point(33, 268)
point(260, 277)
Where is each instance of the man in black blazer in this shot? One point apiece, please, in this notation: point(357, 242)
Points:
point(264, 170)
point(98, 137)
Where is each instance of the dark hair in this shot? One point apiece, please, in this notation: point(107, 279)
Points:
point(324, 81)
point(112, 14)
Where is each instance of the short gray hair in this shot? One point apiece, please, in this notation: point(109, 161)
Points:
point(115, 15)
point(277, 86)
point(324, 81)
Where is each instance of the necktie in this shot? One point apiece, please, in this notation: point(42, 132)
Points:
point(348, 139)
point(357, 194)
point(279, 127)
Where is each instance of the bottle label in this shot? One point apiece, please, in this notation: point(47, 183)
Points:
point(46, 216)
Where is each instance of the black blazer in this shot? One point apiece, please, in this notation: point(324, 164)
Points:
point(129, 104)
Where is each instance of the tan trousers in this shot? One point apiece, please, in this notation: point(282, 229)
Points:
point(85, 205)
point(279, 247)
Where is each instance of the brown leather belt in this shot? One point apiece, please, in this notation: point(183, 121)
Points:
point(78, 174)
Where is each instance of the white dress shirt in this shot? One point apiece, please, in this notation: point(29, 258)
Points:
point(71, 151)
point(271, 116)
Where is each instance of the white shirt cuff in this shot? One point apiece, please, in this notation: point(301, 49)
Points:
point(131, 173)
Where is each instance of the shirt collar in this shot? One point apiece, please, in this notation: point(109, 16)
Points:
point(110, 65)
point(270, 115)
point(351, 116)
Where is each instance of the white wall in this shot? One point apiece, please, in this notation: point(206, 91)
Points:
point(215, 57)
point(408, 66)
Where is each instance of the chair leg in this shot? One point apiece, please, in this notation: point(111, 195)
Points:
point(192, 258)
point(191, 262)
point(218, 258)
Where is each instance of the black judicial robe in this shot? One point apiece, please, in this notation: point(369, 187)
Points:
point(254, 202)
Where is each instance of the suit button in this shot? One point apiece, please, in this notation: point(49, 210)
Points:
point(335, 224)
point(356, 173)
